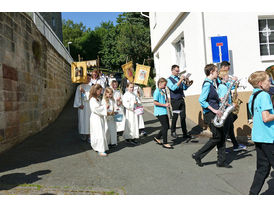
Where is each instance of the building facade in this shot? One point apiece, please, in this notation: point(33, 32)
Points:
point(184, 38)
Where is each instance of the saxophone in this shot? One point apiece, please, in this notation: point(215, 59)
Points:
point(219, 121)
point(236, 100)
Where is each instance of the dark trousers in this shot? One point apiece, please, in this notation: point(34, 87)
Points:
point(179, 104)
point(265, 159)
point(218, 139)
point(229, 129)
point(164, 128)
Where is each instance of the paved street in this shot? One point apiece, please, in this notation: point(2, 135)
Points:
point(56, 161)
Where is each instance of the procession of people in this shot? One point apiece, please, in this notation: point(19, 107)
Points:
point(107, 110)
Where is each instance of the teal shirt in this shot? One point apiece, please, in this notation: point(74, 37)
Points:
point(222, 90)
point(261, 132)
point(159, 96)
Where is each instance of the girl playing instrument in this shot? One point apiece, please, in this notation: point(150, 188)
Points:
point(98, 138)
point(160, 111)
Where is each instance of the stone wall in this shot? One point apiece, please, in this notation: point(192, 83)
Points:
point(35, 80)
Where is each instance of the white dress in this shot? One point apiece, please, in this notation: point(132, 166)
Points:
point(119, 125)
point(98, 140)
point(110, 124)
point(132, 119)
point(83, 114)
point(100, 81)
point(140, 95)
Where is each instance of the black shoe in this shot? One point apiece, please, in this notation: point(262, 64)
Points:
point(225, 165)
point(134, 142)
point(173, 134)
point(197, 160)
point(187, 136)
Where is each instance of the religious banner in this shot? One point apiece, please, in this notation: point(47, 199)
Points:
point(79, 72)
point(128, 71)
point(142, 74)
point(92, 64)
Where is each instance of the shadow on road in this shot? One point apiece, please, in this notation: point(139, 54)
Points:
point(10, 181)
point(270, 190)
point(59, 139)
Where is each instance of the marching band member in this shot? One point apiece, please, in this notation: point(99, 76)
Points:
point(228, 125)
point(210, 101)
point(98, 138)
point(111, 131)
point(177, 87)
point(130, 102)
point(260, 106)
point(160, 111)
point(81, 101)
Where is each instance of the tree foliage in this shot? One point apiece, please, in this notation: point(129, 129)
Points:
point(128, 39)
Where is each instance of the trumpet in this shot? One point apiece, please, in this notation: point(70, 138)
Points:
point(186, 81)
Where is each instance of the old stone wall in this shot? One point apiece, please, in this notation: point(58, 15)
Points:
point(35, 80)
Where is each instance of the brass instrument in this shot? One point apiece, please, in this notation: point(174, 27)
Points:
point(169, 108)
point(186, 81)
point(236, 100)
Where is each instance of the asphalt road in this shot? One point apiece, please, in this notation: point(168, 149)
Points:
point(56, 161)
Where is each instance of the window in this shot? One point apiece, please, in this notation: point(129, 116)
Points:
point(266, 35)
point(53, 22)
point(180, 54)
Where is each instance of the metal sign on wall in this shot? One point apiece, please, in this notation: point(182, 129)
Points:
point(219, 48)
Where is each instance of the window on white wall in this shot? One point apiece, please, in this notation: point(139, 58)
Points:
point(266, 33)
point(180, 53)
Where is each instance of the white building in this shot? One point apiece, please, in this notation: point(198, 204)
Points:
point(185, 39)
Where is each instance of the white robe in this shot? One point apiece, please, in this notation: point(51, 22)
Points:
point(100, 81)
point(98, 140)
point(132, 119)
point(83, 114)
point(110, 124)
point(119, 125)
point(140, 95)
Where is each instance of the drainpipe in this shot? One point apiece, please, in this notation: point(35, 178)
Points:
point(204, 37)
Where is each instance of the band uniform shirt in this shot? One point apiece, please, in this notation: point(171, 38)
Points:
point(222, 90)
point(261, 132)
point(173, 86)
point(203, 99)
point(159, 96)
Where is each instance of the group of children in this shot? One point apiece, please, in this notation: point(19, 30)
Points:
point(104, 112)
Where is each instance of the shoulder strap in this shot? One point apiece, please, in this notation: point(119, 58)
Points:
point(253, 100)
point(205, 82)
point(172, 79)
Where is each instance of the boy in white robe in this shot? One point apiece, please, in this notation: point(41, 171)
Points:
point(98, 140)
point(117, 95)
point(130, 102)
point(139, 93)
point(81, 101)
point(111, 131)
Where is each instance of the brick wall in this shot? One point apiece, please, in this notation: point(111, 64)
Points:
point(35, 80)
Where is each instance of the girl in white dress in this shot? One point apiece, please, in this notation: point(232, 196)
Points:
point(111, 131)
point(130, 102)
point(117, 95)
point(98, 140)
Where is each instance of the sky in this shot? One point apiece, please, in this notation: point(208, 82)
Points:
point(91, 19)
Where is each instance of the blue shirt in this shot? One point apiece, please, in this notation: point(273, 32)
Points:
point(159, 96)
point(222, 91)
point(204, 95)
point(172, 86)
point(261, 132)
